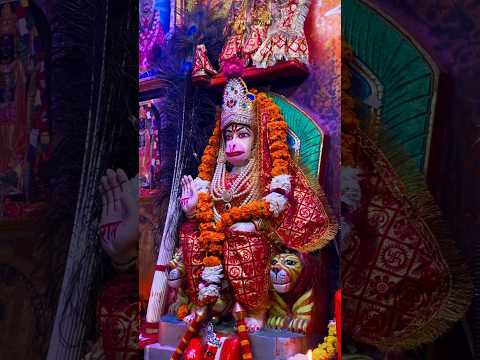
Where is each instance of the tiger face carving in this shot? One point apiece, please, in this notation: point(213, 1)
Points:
point(284, 273)
point(176, 270)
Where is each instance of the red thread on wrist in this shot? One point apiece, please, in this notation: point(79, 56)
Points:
point(161, 268)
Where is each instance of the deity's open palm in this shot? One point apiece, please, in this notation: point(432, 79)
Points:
point(189, 197)
point(119, 219)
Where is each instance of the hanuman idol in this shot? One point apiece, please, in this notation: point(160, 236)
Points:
point(249, 195)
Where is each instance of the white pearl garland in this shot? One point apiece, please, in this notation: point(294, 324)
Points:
point(244, 181)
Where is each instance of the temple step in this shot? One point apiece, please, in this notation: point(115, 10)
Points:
point(158, 352)
point(266, 344)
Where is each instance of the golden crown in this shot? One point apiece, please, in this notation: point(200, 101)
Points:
point(238, 104)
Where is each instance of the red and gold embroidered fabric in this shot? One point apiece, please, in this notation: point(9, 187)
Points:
point(306, 224)
point(193, 254)
point(395, 279)
point(247, 259)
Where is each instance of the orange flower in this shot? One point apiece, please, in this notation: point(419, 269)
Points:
point(280, 163)
point(207, 235)
point(278, 146)
point(215, 249)
point(211, 261)
point(182, 311)
point(276, 136)
point(207, 226)
point(236, 212)
point(227, 219)
point(207, 216)
point(279, 124)
point(279, 170)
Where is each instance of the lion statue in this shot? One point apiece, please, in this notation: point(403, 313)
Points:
point(299, 293)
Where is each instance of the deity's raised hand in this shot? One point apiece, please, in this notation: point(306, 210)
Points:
point(189, 198)
point(119, 219)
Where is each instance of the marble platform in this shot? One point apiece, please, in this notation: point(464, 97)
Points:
point(266, 344)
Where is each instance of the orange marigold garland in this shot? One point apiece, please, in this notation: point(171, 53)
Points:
point(209, 157)
point(182, 311)
point(277, 135)
point(212, 235)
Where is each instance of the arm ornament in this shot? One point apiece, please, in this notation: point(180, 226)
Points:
point(281, 184)
point(201, 185)
point(277, 203)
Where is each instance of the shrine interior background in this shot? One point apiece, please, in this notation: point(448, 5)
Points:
point(445, 129)
point(445, 33)
point(37, 221)
point(32, 268)
point(157, 135)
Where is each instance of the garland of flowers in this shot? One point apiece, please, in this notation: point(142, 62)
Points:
point(212, 235)
point(328, 348)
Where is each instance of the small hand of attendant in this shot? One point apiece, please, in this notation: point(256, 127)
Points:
point(119, 220)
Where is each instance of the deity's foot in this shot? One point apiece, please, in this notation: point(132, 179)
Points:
point(255, 320)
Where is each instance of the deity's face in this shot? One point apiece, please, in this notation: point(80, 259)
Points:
point(146, 7)
point(239, 140)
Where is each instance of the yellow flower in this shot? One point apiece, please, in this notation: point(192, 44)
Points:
point(317, 354)
point(182, 312)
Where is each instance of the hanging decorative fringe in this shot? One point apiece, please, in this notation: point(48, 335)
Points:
point(245, 346)
point(191, 332)
point(461, 288)
point(413, 185)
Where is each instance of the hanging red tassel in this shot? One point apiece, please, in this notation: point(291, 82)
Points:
point(245, 347)
point(242, 331)
point(338, 322)
point(191, 333)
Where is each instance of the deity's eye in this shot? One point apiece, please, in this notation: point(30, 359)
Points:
point(274, 262)
point(290, 262)
point(243, 134)
point(228, 136)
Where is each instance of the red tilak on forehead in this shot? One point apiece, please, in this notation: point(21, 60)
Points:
point(234, 128)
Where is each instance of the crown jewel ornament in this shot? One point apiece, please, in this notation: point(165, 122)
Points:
point(238, 104)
